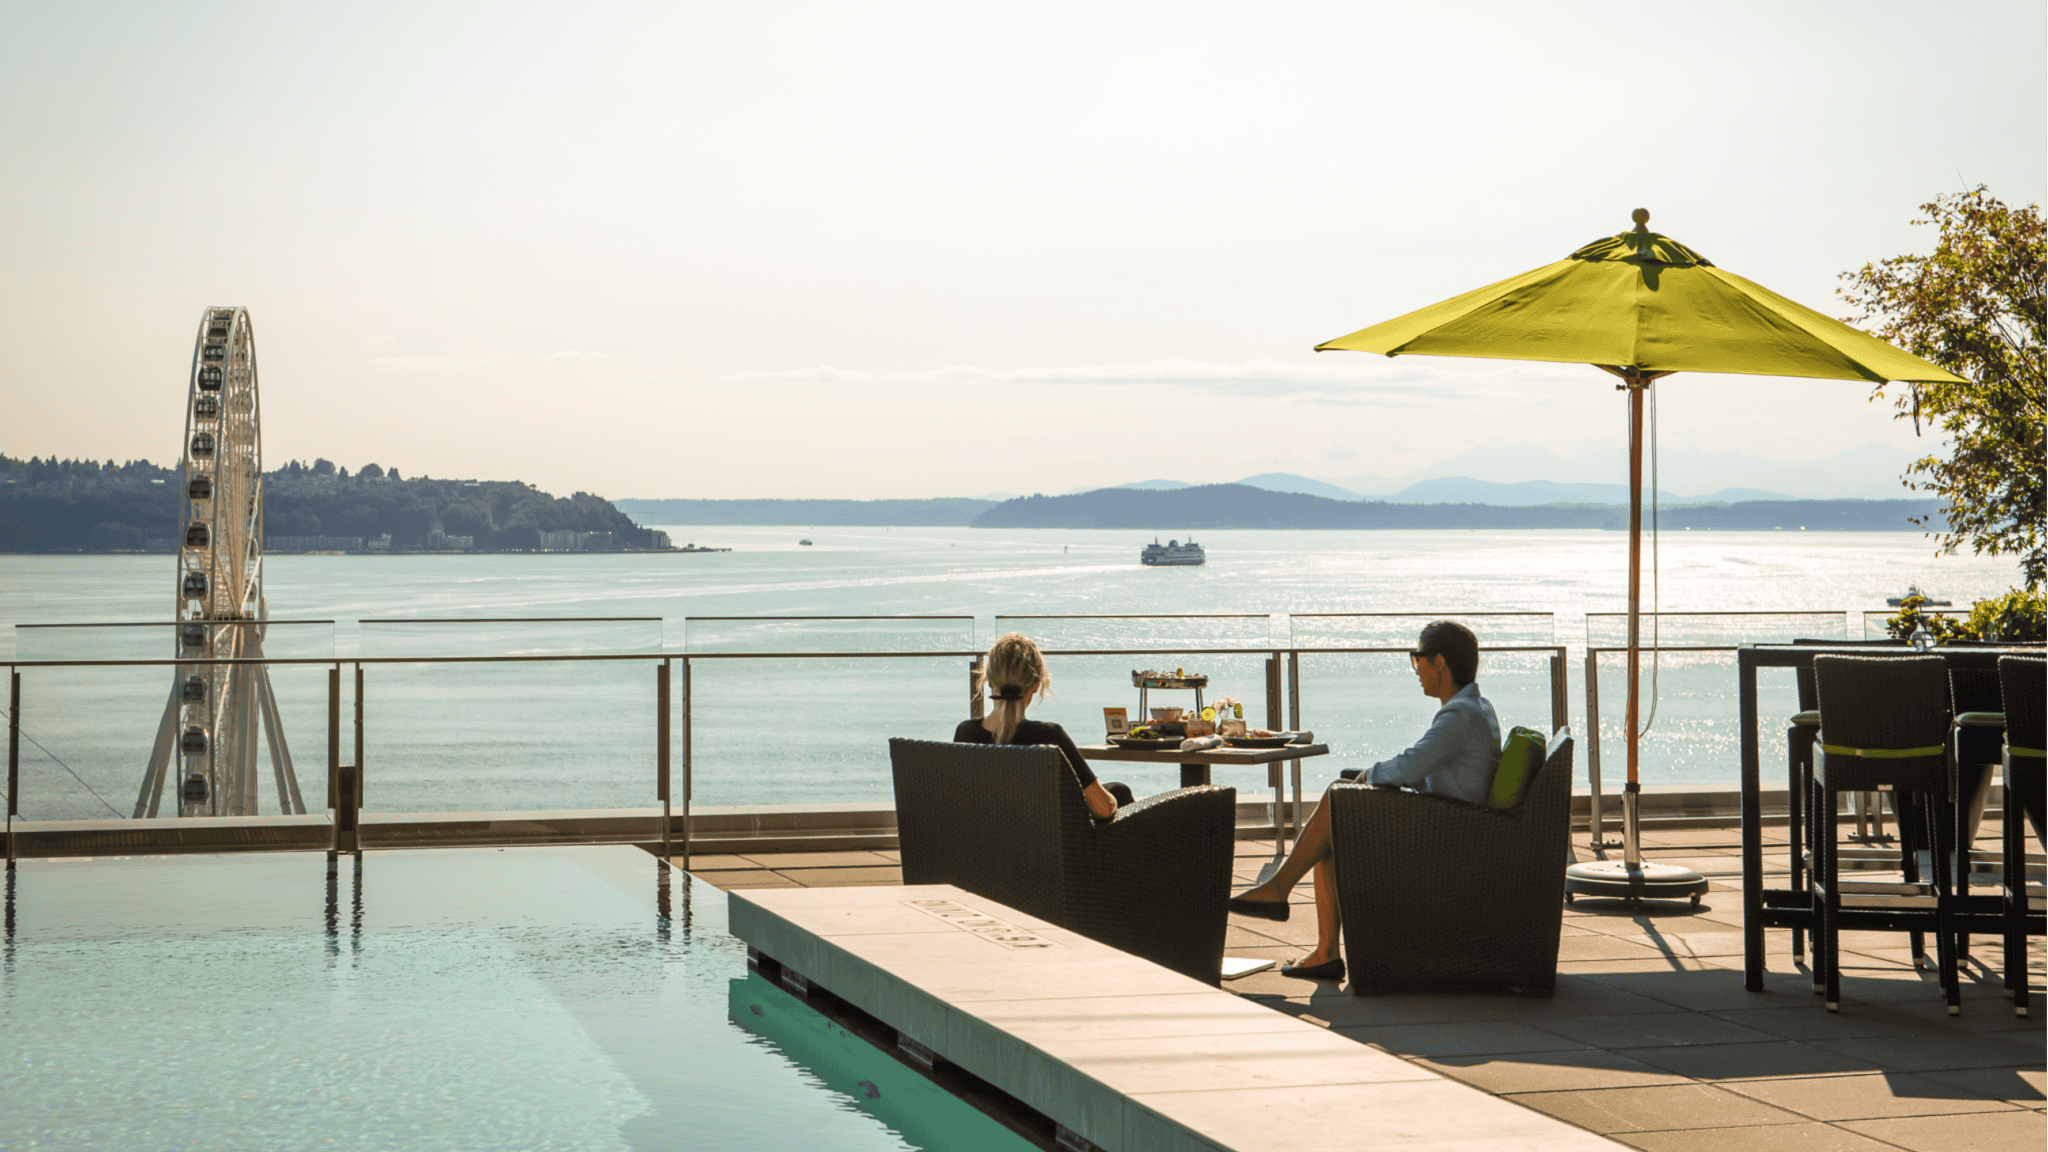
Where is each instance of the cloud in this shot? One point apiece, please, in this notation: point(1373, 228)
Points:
point(1359, 379)
point(585, 357)
point(428, 363)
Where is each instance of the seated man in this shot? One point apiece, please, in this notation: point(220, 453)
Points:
point(1456, 757)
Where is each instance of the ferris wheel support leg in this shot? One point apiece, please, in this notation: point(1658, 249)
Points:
point(152, 792)
point(288, 797)
point(252, 722)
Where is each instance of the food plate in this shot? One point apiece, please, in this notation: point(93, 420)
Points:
point(1145, 745)
point(1280, 741)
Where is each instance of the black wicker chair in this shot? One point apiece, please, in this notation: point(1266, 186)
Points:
point(1443, 895)
point(2023, 685)
point(1885, 725)
point(1007, 822)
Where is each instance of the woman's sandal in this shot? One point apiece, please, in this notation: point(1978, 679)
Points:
point(1262, 909)
point(1332, 969)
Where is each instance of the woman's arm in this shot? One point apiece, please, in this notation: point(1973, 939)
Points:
point(1100, 802)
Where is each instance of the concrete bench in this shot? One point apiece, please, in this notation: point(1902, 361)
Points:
point(1117, 1051)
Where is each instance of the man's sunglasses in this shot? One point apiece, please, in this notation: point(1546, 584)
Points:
point(1416, 656)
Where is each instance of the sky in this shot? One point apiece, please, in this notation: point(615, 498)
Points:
point(898, 250)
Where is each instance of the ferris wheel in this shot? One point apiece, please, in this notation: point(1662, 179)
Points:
point(206, 746)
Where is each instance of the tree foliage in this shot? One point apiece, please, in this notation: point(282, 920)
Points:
point(1975, 306)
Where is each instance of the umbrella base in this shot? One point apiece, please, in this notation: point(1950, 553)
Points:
point(1619, 879)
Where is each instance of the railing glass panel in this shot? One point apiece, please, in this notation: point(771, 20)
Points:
point(1197, 631)
point(89, 733)
point(827, 634)
point(1368, 706)
point(803, 729)
point(528, 636)
point(1401, 629)
point(513, 736)
point(1693, 736)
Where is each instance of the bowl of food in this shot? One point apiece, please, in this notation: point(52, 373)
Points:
point(1167, 714)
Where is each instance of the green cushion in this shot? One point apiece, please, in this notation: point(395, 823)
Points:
point(1519, 759)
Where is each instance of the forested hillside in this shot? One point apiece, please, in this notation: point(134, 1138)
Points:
point(51, 505)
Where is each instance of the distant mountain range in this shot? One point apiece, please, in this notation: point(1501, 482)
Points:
point(1501, 475)
point(1246, 506)
point(1464, 490)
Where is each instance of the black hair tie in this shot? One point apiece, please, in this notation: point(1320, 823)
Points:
point(1006, 693)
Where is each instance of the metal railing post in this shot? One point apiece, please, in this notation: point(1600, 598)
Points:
point(974, 705)
point(688, 765)
point(661, 671)
point(1597, 816)
point(13, 756)
point(344, 781)
point(1294, 725)
point(1560, 693)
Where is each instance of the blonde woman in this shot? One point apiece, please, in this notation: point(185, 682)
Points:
point(1014, 674)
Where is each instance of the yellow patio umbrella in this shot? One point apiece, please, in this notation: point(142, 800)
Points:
point(1641, 306)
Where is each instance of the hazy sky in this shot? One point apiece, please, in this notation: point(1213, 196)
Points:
point(936, 249)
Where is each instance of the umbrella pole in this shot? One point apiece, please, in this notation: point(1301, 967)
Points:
point(1629, 878)
point(1631, 841)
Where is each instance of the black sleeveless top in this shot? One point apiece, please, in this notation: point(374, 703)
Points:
point(1031, 732)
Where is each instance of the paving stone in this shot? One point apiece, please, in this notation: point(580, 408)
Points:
point(1772, 1138)
point(1870, 1095)
point(1317, 1118)
point(1663, 1106)
point(1747, 1061)
point(1807, 1022)
point(1992, 1132)
point(1575, 1070)
point(1600, 946)
point(1652, 1030)
point(1481, 1038)
point(889, 874)
point(2021, 1086)
point(743, 876)
point(1941, 1054)
point(714, 863)
point(848, 859)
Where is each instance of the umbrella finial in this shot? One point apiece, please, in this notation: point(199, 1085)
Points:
point(1642, 218)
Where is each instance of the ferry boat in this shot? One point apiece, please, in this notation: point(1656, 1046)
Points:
point(1173, 552)
point(1913, 590)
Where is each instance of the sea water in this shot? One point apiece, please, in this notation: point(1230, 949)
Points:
point(812, 725)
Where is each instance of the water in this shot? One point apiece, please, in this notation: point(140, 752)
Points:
point(528, 999)
point(814, 729)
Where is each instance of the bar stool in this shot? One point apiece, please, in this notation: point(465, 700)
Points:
point(1884, 728)
point(1977, 743)
point(2023, 681)
point(1801, 731)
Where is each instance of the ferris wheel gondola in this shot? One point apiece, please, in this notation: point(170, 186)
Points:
point(206, 747)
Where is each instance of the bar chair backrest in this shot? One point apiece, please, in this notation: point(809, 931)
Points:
point(1808, 700)
point(1884, 722)
point(2023, 682)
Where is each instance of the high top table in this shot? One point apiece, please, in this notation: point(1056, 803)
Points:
point(1784, 907)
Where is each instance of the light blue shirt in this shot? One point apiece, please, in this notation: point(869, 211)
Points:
point(1458, 755)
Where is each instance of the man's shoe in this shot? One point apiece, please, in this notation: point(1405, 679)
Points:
point(1327, 970)
point(1262, 909)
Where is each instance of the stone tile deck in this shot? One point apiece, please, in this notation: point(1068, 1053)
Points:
point(1651, 1039)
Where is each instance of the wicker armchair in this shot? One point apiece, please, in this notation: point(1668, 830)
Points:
point(1007, 822)
point(1440, 894)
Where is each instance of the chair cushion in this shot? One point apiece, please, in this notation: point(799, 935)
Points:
point(1519, 759)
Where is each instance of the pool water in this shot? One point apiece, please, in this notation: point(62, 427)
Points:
point(524, 998)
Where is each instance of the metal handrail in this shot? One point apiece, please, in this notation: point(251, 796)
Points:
point(346, 781)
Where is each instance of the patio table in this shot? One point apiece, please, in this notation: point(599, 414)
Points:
point(1793, 908)
point(1194, 769)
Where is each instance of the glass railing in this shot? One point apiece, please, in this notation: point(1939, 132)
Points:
point(89, 732)
point(1690, 732)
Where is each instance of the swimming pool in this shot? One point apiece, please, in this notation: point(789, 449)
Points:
point(529, 998)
